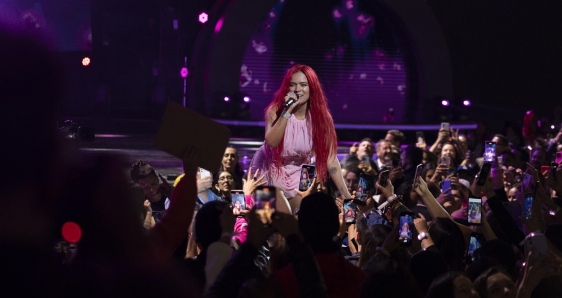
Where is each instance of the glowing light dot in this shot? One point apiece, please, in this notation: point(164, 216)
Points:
point(203, 18)
point(466, 102)
point(184, 72)
point(71, 232)
point(445, 102)
point(246, 99)
point(226, 98)
point(86, 61)
point(552, 127)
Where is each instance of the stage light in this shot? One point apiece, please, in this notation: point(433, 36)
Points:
point(246, 99)
point(445, 102)
point(552, 127)
point(203, 18)
point(226, 98)
point(184, 72)
point(466, 102)
point(86, 61)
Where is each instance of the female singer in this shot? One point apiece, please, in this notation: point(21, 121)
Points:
point(295, 132)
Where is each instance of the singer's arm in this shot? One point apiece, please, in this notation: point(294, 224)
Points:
point(274, 132)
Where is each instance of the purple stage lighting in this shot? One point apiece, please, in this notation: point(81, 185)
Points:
point(246, 99)
point(184, 72)
point(466, 102)
point(203, 18)
point(445, 102)
point(226, 98)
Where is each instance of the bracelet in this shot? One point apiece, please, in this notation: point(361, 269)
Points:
point(287, 115)
point(422, 235)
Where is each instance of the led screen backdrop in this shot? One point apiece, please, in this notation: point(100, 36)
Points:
point(352, 50)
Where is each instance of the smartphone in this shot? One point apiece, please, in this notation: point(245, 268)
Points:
point(420, 136)
point(419, 170)
point(527, 182)
point(446, 160)
point(349, 211)
point(475, 211)
point(395, 163)
point(366, 159)
point(476, 241)
point(445, 126)
point(484, 173)
point(446, 185)
point(265, 203)
point(538, 242)
point(545, 169)
point(528, 205)
point(363, 189)
point(383, 178)
point(307, 175)
point(406, 228)
point(204, 173)
point(238, 202)
point(558, 159)
point(490, 152)
point(553, 168)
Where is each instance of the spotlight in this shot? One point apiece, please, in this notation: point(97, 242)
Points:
point(466, 102)
point(86, 61)
point(226, 98)
point(184, 72)
point(246, 99)
point(445, 102)
point(203, 18)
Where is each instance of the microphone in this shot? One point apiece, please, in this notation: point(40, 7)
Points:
point(291, 101)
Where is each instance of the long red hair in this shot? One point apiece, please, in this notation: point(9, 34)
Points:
point(324, 138)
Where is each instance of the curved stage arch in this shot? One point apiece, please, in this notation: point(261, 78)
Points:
point(215, 65)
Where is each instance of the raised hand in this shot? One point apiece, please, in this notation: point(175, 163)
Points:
point(165, 186)
point(250, 185)
point(353, 149)
point(147, 206)
point(312, 189)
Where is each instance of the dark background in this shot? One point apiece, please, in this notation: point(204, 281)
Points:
point(505, 57)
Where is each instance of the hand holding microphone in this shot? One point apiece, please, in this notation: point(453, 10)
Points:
point(290, 100)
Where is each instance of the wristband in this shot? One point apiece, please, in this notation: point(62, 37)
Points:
point(422, 235)
point(287, 115)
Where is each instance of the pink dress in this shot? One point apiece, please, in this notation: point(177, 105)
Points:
point(297, 148)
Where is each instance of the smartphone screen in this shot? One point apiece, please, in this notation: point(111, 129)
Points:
point(363, 189)
point(446, 185)
point(528, 205)
point(476, 241)
point(475, 211)
point(366, 159)
point(490, 152)
point(445, 126)
point(307, 175)
point(484, 173)
point(265, 203)
point(419, 170)
point(349, 211)
point(204, 173)
point(420, 136)
point(406, 228)
point(238, 202)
